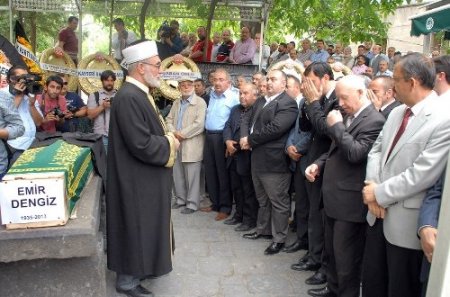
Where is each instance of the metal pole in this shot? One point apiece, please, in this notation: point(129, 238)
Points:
point(11, 31)
point(80, 40)
point(111, 15)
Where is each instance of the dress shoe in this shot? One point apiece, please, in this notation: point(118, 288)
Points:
point(304, 259)
point(255, 235)
point(323, 292)
point(232, 221)
point(138, 291)
point(306, 266)
point(176, 206)
point(244, 227)
point(296, 246)
point(221, 216)
point(318, 278)
point(187, 211)
point(274, 248)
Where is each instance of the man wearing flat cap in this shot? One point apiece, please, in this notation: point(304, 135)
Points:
point(186, 120)
point(141, 153)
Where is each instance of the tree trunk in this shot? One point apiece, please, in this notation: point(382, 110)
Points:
point(142, 17)
point(212, 8)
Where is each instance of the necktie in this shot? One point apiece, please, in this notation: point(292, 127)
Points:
point(401, 130)
point(349, 121)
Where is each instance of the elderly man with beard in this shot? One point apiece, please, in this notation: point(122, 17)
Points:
point(139, 184)
point(186, 120)
point(99, 104)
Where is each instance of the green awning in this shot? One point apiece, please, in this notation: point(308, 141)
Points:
point(434, 20)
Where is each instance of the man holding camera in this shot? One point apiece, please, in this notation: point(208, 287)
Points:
point(99, 104)
point(170, 42)
point(52, 104)
point(76, 108)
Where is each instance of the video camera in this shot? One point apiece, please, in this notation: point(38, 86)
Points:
point(166, 30)
point(32, 83)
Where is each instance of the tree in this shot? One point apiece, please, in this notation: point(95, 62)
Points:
point(338, 20)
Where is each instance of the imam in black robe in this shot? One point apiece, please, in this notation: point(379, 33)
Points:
point(139, 182)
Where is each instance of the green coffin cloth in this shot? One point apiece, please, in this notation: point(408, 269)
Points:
point(73, 160)
point(435, 20)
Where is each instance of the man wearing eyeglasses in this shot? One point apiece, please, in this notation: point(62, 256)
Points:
point(139, 184)
point(99, 104)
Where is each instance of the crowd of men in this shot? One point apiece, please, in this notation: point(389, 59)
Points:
point(361, 155)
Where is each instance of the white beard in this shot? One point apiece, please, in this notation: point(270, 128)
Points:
point(152, 81)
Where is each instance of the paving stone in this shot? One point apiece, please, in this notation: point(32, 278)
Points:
point(272, 283)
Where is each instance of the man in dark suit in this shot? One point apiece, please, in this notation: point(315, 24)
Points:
point(272, 120)
point(238, 162)
point(318, 89)
point(383, 98)
point(343, 169)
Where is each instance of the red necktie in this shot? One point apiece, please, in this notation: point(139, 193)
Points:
point(401, 130)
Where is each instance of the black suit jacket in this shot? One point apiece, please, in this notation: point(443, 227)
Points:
point(271, 126)
point(345, 165)
point(385, 112)
point(232, 131)
point(314, 119)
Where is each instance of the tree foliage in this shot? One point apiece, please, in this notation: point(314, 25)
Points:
point(337, 20)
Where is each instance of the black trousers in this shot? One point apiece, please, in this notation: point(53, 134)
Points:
point(344, 243)
point(375, 270)
point(301, 204)
point(316, 223)
point(244, 196)
point(404, 266)
point(216, 172)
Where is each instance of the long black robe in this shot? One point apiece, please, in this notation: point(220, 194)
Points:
point(138, 188)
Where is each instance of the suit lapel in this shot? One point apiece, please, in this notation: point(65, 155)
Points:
point(411, 129)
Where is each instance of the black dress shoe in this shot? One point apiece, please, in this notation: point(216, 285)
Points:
point(296, 246)
point(323, 292)
point(304, 259)
point(138, 291)
point(318, 278)
point(232, 221)
point(244, 227)
point(306, 266)
point(255, 235)
point(274, 248)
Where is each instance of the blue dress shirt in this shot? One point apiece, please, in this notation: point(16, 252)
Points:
point(219, 109)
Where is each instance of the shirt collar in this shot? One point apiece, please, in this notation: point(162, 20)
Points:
point(417, 108)
point(138, 84)
point(189, 99)
point(328, 94)
point(361, 109)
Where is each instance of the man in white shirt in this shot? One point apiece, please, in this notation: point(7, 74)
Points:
point(121, 39)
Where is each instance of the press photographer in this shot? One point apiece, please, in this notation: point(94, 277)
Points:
point(21, 91)
point(169, 42)
point(52, 104)
point(76, 111)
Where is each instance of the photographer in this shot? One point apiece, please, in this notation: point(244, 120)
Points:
point(76, 109)
point(99, 105)
point(170, 42)
point(20, 94)
point(52, 104)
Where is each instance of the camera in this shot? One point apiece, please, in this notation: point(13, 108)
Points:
point(58, 112)
point(166, 30)
point(32, 83)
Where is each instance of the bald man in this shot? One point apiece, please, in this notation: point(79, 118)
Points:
point(244, 49)
point(343, 169)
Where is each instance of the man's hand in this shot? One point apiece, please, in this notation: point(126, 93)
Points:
point(178, 136)
point(311, 172)
point(374, 99)
point(376, 210)
point(310, 92)
point(68, 115)
point(58, 51)
point(176, 143)
point(20, 86)
point(106, 103)
point(369, 192)
point(428, 241)
point(243, 142)
point(334, 117)
point(293, 154)
point(51, 117)
point(230, 147)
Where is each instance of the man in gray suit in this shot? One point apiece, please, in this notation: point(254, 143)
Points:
point(407, 158)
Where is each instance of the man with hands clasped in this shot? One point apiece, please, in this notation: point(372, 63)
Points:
point(343, 168)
